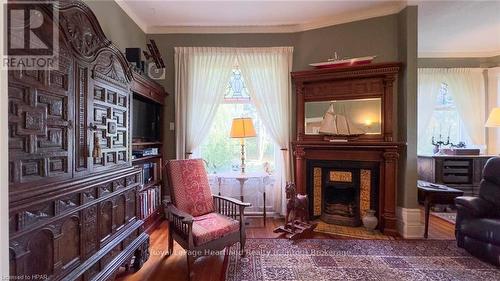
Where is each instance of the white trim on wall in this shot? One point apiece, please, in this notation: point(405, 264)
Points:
point(409, 223)
point(457, 54)
point(289, 28)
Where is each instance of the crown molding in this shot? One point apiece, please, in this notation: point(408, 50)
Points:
point(458, 54)
point(222, 29)
point(142, 25)
point(385, 10)
point(354, 16)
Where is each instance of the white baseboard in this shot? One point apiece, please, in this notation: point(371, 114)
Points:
point(410, 225)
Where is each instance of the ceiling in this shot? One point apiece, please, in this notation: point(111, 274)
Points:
point(459, 28)
point(250, 15)
point(446, 28)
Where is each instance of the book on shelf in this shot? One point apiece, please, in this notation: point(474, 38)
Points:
point(149, 201)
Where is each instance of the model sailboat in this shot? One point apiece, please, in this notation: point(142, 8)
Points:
point(338, 125)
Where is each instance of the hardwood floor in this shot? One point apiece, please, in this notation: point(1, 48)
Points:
point(173, 268)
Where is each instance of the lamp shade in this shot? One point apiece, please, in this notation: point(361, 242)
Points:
point(242, 128)
point(494, 118)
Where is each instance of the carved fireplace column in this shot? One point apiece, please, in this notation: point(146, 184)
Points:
point(300, 164)
point(389, 192)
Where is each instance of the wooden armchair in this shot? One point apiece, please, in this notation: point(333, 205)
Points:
point(200, 222)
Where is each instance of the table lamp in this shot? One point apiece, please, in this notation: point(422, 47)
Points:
point(494, 118)
point(242, 128)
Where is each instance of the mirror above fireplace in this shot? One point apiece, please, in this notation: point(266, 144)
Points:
point(351, 104)
point(363, 114)
point(338, 190)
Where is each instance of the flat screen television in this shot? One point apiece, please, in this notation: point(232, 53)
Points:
point(146, 120)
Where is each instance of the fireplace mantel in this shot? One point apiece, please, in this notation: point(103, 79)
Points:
point(386, 154)
point(374, 81)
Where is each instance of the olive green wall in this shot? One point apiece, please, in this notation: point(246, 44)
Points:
point(375, 36)
point(117, 25)
point(407, 106)
point(391, 38)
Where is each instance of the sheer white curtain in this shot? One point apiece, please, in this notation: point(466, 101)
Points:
point(466, 86)
point(201, 74)
point(493, 139)
point(267, 74)
point(429, 84)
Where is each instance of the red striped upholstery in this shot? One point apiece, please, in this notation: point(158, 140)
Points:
point(189, 186)
point(213, 226)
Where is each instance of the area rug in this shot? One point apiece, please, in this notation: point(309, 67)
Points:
point(449, 217)
point(339, 259)
point(352, 232)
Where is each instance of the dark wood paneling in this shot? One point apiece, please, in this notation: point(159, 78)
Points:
point(40, 125)
point(72, 213)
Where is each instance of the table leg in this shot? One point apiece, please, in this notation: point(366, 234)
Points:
point(220, 184)
point(241, 190)
point(264, 207)
point(427, 207)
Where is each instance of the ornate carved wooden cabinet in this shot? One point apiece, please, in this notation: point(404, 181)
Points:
point(73, 191)
point(348, 175)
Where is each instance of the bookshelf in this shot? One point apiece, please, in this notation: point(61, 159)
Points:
point(150, 195)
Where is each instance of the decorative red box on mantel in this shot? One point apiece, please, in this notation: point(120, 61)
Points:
point(332, 63)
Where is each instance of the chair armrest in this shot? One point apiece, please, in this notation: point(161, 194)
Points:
point(230, 207)
point(179, 215)
point(472, 207)
point(232, 201)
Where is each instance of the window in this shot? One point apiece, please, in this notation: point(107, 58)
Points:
point(222, 153)
point(445, 121)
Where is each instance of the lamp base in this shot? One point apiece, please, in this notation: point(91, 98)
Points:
point(242, 156)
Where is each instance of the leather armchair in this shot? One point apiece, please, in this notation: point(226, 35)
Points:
point(477, 228)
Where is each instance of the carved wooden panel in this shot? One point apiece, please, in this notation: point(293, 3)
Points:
point(89, 223)
point(41, 254)
point(69, 242)
point(345, 89)
point(40, 124)
point(78, 30)
point(82, 139)
point(68, 235)
point(34, 214)
point(106, 220)
point(110, 113)
point(120, 209)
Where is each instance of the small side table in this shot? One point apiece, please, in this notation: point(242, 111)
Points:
point(430, 194)
point(242, 178)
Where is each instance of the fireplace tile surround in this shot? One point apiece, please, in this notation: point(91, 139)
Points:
point(341, 192)
point(382, 156)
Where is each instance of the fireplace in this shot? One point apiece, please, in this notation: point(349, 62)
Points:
point(342, 191)
point(379, 150)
